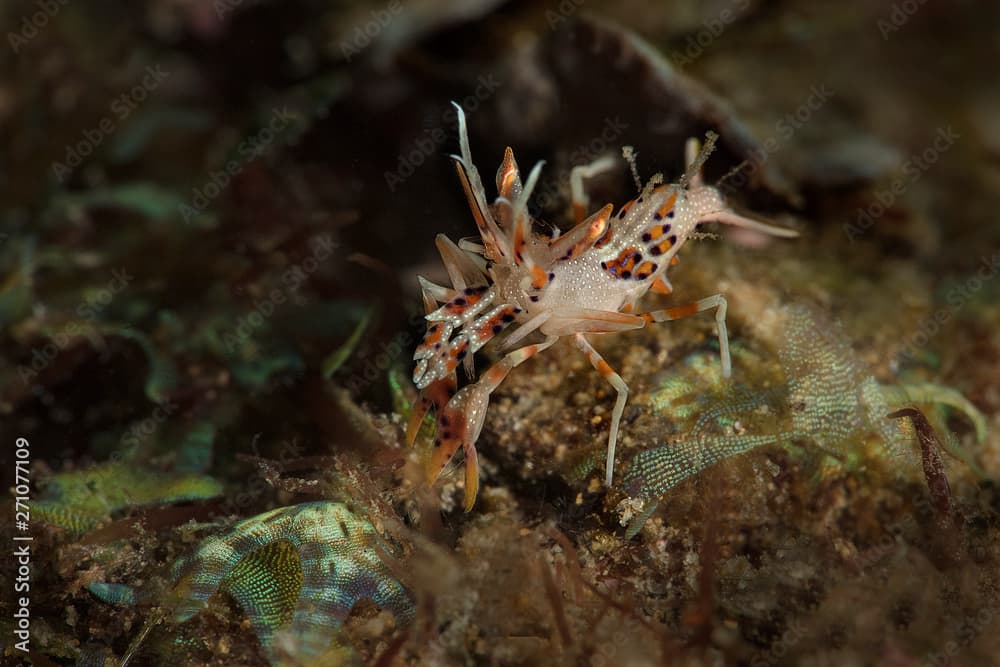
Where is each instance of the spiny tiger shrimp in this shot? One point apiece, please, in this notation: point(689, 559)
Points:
point(586, 281)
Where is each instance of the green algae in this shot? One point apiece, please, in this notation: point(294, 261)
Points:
point(81, 500)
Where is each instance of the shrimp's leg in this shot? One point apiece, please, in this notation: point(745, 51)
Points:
point(443, 388)
point(461, 420)
point(582, 321)
point(579, 196)
point(618, 383)
point(440, 392)
point(716, 301)
point(433, 294)
point(464, 268)
point(438, 355)
point(531, 325)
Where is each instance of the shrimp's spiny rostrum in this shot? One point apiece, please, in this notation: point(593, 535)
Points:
point(587, 280)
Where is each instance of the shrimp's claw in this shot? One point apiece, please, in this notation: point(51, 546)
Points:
point(417, 415)
point(436, 394)
point(459, 425)
point(471, 477)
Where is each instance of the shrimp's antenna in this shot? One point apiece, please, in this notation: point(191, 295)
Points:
point(696, 159)
point(732, 172)
point(628, 152)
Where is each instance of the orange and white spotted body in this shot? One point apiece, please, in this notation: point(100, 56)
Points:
point(586, 281)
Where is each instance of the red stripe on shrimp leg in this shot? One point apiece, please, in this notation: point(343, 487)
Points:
point(661, 286)
point(456, 354)
point(489, 325)
point(717, 302)
point(466, 305)
point(437, 334)
point(616, 381)
point(437, 356)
